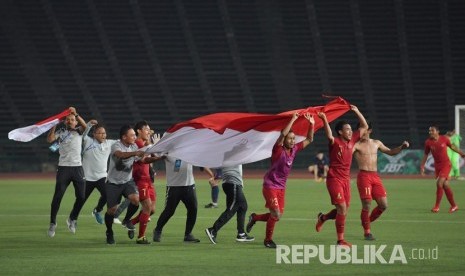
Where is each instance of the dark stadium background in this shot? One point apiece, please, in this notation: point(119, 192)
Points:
point(401, 62)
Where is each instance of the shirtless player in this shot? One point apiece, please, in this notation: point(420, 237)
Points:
point(368, 181)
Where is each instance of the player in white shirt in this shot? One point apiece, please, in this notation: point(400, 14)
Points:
point(69, 168)
point(180, 186)
point(95, 153)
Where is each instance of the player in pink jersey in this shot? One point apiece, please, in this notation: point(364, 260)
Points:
point(338, 179)
point(274, 181)
point(437, 145)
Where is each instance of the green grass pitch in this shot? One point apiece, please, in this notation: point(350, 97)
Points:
point(26, 250)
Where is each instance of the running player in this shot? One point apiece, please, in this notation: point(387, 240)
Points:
point(274, 182)
point(141, 174)
point(120, 181)
point(338, 180)
point(368, 181)
point(69, 169)
point(437, 145)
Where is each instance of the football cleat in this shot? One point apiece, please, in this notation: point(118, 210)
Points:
point(453, 209)
point(251, 223)
point(319, 222)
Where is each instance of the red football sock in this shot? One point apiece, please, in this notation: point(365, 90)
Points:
point(261, 217)
point(449, 195)
point(439, 193)
point(143, 219)
point(270, 223)
point(364, 216)
point(136, 219)
point(330, 215)
point(340, 222)
point(376, 213)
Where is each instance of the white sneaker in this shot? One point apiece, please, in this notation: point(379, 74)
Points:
point(116, 221)
point(72, 224)
point(51, 230)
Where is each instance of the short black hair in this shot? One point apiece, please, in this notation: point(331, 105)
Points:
point(140, 125)
point(97, 126)
point(340, 125)
point(124, 130)
point(435, 126)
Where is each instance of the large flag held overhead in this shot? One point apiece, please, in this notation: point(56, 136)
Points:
point(228, 139)
point(26, 134)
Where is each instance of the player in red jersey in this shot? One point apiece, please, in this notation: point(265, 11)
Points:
point(338, 179)
point(437, 145)
point(141, 175)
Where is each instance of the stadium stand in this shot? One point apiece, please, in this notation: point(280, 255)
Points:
point(401, 62)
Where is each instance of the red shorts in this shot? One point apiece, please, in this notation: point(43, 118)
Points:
point(370, 186)
point(443, 172)
point(274, 198)
point(339, 190)
point(146, 190)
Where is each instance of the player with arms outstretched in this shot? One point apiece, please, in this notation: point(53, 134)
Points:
point(368, 181)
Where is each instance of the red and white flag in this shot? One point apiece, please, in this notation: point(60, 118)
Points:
point(26, 134)
point(228, 139)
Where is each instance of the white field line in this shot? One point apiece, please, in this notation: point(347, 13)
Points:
point(285, 219)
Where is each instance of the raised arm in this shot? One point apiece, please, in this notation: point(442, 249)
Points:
point(89, 126)
point(155, 138)
point(79, 119)
point(311, 124)
point(361, 119)
point(286, 130)
point(393, 151)
point(51, 135)
point(329, 133)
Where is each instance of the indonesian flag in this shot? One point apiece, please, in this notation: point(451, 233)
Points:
point(229, 139)
point(26, 134)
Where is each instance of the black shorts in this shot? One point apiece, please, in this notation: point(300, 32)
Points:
point(115, 191)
